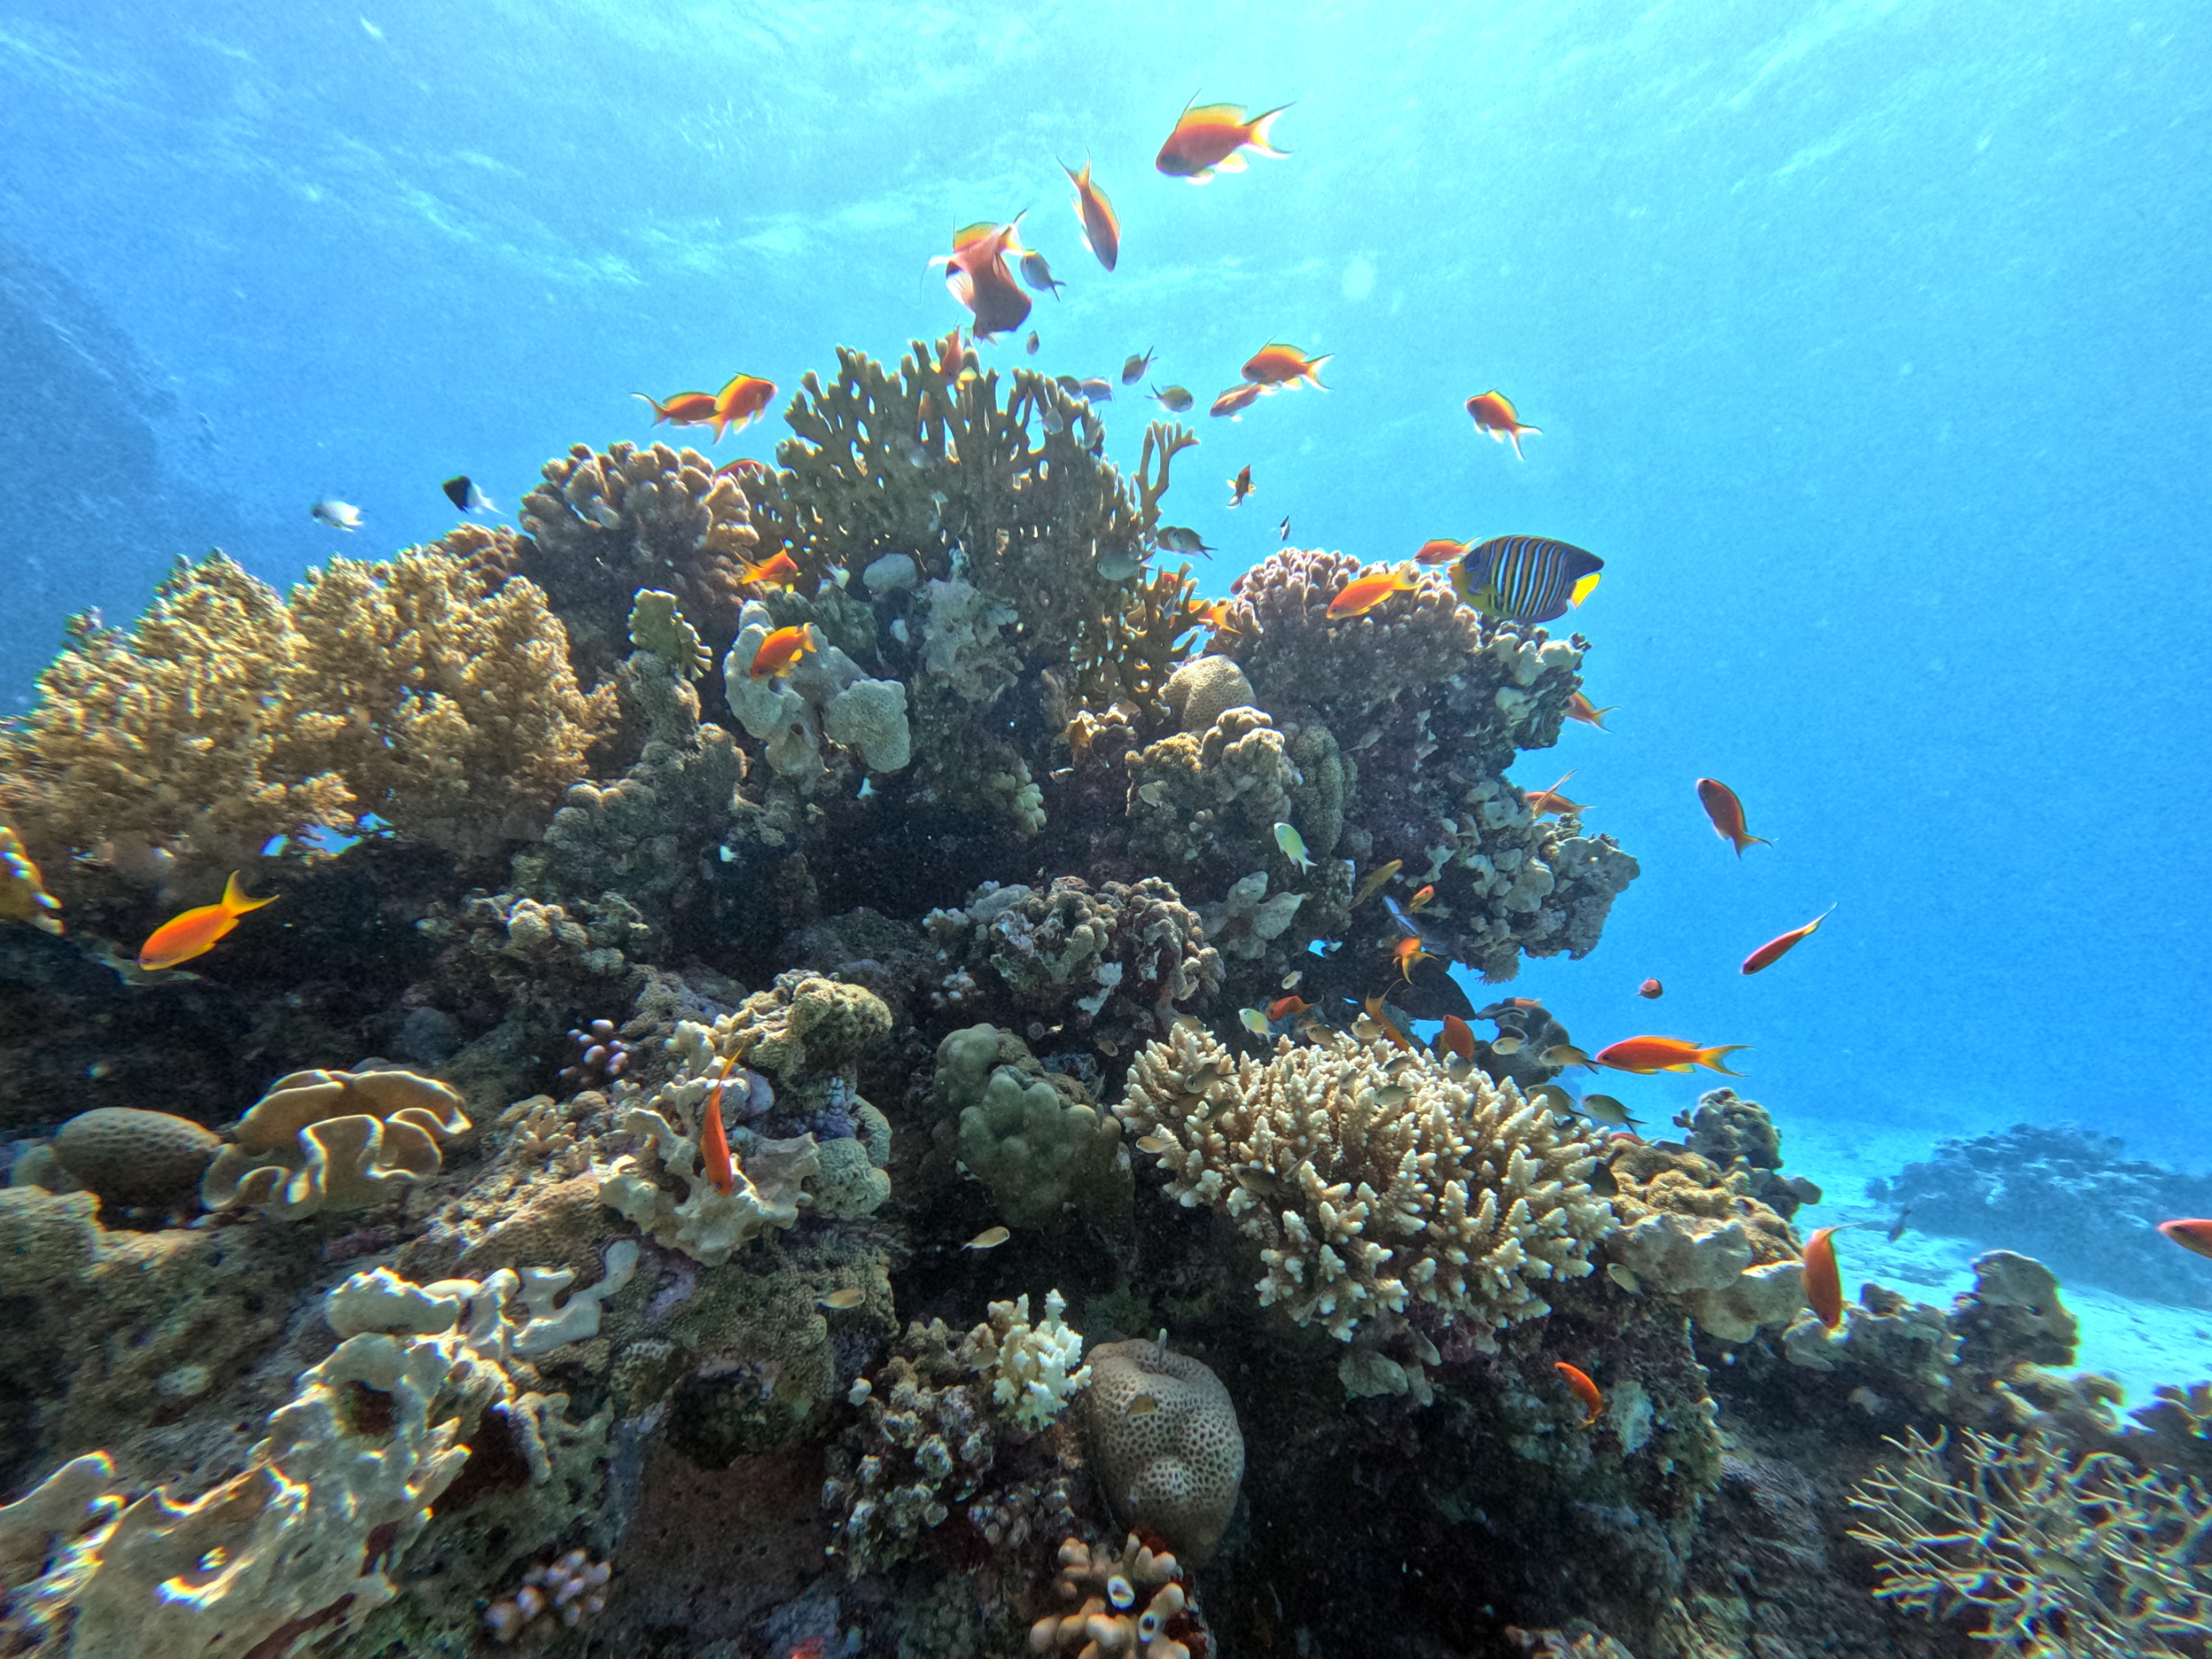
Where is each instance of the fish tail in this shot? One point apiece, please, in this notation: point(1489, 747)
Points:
point(236, 903)
point(1711, 1058)
point(1258, 133)
point(1744, 838)
point(1312, 376)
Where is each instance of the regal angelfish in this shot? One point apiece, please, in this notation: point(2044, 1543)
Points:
point(1526, 578)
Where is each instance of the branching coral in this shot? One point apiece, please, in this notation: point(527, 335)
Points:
point(1101, 1589)
point(1370, 1187)
point(2058, 1557)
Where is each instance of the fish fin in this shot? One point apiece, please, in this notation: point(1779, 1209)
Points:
point(1711, 1058)
point(1583, 588)
point(1258, 135)
point(1312, 376)
point(1230, 163)
point(236, 903)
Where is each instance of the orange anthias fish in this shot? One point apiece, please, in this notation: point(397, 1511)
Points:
point(1551, 801)
point(1240, 486)
point(1579, 708)
point(1102, 229)
point(1209, 138)
point(977, 276)
point(1458, 1037)
point(1824, 1279)
point(1422, 900)
point(1579, 1385)
point(1216, 615)
point(2190, 1233)
point(1494, 413)
point(739, 403)
point(1374, 1007)
point(684, 409)
point(1284, 1007)
point(1775, 950)
point(1278, 365)
point(181, 937)
point(1362, 596)
point(780, 653)
point(1408, 951)
point(779, 571)
point(1651, 990)
point(714, 1141)
point(1440, 552)
point(1727, 812)
point(1665, 1053)
point(950, 354)
point(1238, 399)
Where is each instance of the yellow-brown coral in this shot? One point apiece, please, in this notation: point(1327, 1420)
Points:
point(23, 895)
point(333, 1140)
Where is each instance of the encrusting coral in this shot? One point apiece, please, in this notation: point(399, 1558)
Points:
point(333, 1140)
point(1690, 1231)
point(1372, 1184)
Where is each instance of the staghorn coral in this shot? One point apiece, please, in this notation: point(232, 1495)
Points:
point(2052, 1554)
point(1033, 1137)
point(603, 525)
point(1372, 1190)
point(333, 1140)
point(1174, 1471)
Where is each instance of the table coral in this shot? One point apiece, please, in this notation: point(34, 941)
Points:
point(1175, 1469)
point(333, 1140)
point(2049, 1554)
point(1370, 1190)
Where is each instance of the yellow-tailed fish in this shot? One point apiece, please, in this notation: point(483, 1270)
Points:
point(1526, 578)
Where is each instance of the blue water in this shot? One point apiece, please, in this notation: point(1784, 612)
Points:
point(1868, 340)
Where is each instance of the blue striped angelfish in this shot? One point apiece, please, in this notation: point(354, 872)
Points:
point(1526, 578)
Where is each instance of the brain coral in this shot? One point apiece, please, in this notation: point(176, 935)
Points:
point(129, 1157)
point(1371, 1185)
point(1175, 1469)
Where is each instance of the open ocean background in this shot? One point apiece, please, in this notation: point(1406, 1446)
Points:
point(1870, 342)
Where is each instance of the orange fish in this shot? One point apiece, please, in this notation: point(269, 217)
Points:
point(743, 466)
point(1284, 1007)
point(1102, 229)
point(714, 1141)
point(950, 354)
point(1362, 595)
point(780, 653)
point(1216, 615)
point(779, 571)
point(1665, 1053)
point(1458, 1037)
point(1494, 414)
point(1579, 709)
point(1408, 951)
point(1240, 486)
point(1440, 552)
point(1727, 812)
point(1824, 1280)
point(181, 937)
point(739, 403)
point(1374, 1007)
point(1551, 801)
point(684, 409)
point(1579, 1385)
point(1651, 990)
point(1422, 900)
point(977, 276)
point(1238, 399)
point(1209, 138)
point(1276, 365)
point(1775, 950)
point(2190, 1235)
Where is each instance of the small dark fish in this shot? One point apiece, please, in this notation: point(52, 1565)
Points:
point(1030, 346)
point(1526, 578)
point(1285, 527)
point(1097, 391)
point(1651, 990)
point(1240, 486)
point(1132, 371)
point(1068, 384)
point(1897, 1227)
point(464, 494)
point(1175, 399)
point(1176, 538)
point(1039, 275)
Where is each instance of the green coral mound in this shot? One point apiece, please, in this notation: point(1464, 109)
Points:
point(1034, 1139)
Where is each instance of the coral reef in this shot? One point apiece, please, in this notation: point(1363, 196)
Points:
point(1692, 1232)
point(2063, 1194)
point(1106, 1587)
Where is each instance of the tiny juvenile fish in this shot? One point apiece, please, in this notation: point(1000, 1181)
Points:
point(1651, 990)
point(1605, 1109)
point(1505, 1043)
point(1645, 1055)
point(780, 653)
point(1440, 552)
point(1153, 794)
point(1824, 1279)
point(1155, 1144)
point(337, 514)
point(1897, 1227)
point(1108, 1046)
point(684, 409)
point(989, 1239)
point(1422, 900)
point(1236, 399)
point(1210, 138)
point(1374, 880)
point(1495, 414)
point(1120, 565)
point(1240, 486)
point(461, 492)
point(1779, 947)
point(737, 404)
point(1030, 344)
point(1392, 1094)
point(1279, 364)
point(1564, 1054)
point(1133, 370)
point(1579, 708)
point(1177, 539)
point(1291, 980)
point(1175, 399)
point(196, 930)
point(1554, 1096)
point(1253, 1021)
point(1294, 845)
point(1039, 275)
point(1101, 227)
point(1263, 1184)
point(1362, 595)
point(839, 1301)
point(1526, 578)
point(1579, 1385)
point(1097, 391)
point(1727, 812)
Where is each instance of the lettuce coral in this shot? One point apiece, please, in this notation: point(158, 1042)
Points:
point(333, 1140)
